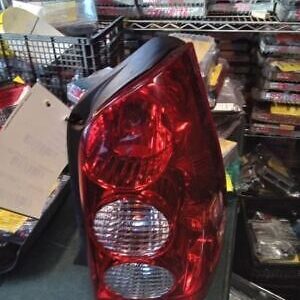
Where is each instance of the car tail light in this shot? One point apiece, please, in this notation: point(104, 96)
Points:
point(9, 96)
point(151, 176)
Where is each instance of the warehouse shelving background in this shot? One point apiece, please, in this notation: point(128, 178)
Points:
point(243, 23)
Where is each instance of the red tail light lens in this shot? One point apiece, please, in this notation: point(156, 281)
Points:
point(9, 96)
point(134, 146)
point(152, 183)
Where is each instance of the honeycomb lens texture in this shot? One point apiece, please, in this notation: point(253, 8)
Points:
point(131, 228)
point(138, 281)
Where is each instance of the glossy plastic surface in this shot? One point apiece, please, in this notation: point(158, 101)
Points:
point(155, 141)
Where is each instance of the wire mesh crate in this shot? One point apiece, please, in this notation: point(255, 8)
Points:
point(54, 61)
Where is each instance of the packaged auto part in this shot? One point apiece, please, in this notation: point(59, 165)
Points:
point(173, 2)
point(275, 130)
point(116, 3)
point(276, 97)
point(287, 12)
point(126, 11)
point(263, 114)
point(205, 48)
point(292, 3)
point(274, 240)
point(153, 11)
point(181, 12)
point(290, 39)
point(282, 70)
point(280, 182)
point(263, 172)
point(278, 275)
point(240, 7)
point(222, 8)
point(158, 3)
point(231, 98)
point(280, 86)
point(281, 45)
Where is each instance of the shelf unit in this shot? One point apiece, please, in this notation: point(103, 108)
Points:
point(215, 23)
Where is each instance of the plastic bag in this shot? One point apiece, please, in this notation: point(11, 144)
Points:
point(274, 239)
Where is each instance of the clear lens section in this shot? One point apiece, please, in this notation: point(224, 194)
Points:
point(131, 228)
point(138, 281)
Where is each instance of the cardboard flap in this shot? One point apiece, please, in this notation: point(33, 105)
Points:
point(33, 152)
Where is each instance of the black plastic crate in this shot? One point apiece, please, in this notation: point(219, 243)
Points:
point(54, 61)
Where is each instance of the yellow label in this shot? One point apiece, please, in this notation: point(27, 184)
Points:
point(282, 109)
point(10, 221)
point(229, 185)
point(287, 66)
point(214, 75)
point(19, 79)
point(1, 22)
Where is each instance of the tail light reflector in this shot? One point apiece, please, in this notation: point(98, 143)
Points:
point(130, 227)
point(138, 281)
point(152, 184)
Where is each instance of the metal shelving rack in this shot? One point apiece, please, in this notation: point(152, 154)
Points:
point(216, 23)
